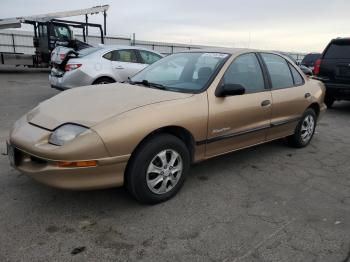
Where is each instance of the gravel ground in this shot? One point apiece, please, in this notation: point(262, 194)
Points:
point(267, 203)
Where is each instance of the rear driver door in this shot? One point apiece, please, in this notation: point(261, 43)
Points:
point(125, 63)
point(290, 95)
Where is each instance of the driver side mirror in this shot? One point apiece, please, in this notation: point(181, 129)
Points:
point(230, 90)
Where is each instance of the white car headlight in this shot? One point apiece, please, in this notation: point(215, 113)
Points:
point(66, 133)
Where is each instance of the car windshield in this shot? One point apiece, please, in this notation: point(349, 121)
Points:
point(88, 51)
point(183, 72)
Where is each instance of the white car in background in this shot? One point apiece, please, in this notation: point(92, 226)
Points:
point(97, 65)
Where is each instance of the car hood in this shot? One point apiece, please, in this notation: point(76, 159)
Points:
point(91, 105)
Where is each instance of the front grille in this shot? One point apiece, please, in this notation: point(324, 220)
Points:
point(38, 160)
point(22, 158)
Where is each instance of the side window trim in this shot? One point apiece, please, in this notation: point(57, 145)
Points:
point(267, 79)
point(138, 56)
point(290, 68)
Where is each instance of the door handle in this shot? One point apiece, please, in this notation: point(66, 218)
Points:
point(307, 95)
point(119, 67)
point(265, 103)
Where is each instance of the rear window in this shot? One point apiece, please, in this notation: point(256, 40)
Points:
point(88, 51)
point(311, 58)
point(338, 50)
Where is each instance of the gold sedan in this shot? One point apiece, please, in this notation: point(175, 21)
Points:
point(185, 108)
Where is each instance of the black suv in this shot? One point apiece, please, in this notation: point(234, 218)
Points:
point(310, 59)
point(333, 69)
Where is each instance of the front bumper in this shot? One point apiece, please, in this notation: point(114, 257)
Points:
point(109, 172)
point(323, 109)
point(33, 155)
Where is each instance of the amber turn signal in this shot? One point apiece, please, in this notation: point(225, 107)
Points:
point(90, 163)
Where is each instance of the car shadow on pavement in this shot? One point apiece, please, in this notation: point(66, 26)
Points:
point(342, 106)
point(105, 200)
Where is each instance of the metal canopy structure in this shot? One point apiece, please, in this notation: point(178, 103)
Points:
point(15, 22)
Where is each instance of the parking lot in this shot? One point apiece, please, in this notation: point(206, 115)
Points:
point(267, 203)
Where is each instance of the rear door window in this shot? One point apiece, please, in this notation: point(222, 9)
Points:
point(108, 56)
point(149, 57)
point(335, 51)
point(280, 74)
point(127, 56)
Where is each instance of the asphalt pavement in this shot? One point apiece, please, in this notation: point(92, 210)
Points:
point(267, 203)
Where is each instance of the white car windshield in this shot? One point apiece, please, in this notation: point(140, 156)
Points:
point(188, 72)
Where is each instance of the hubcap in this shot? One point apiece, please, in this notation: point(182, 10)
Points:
point(164, 171)
point(307, 128)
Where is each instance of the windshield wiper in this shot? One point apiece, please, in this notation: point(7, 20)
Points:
point(148, 84)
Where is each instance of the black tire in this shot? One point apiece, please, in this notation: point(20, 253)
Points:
point(136, 175)
point(329, 101)
point(296, 140)
point(103, 80)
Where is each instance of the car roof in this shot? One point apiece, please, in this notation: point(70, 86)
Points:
point(341, 40)
point(119, 47)
point(222, 50)
point(232, 51)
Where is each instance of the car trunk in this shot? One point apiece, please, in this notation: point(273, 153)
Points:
point(336, 70)
point(59, 58)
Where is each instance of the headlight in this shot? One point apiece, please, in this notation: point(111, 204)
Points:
point(66, 133)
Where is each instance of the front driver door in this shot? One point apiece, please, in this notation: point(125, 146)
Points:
point(243, 120)
point(125, 64)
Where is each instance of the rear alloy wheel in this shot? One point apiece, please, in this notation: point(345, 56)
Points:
point(305, 129)
point(103, 81)
point(157, 170)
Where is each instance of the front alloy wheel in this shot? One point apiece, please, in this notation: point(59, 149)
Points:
point(158, 168)
point(164, 171)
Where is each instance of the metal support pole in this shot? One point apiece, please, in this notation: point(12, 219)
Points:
point(87, 27)
point(13, 43)
point(35, 30)
point(84, 35)
point(105, 21)
point(102, 37)
point(133, 39)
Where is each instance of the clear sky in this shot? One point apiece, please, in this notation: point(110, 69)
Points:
point(293, 25)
